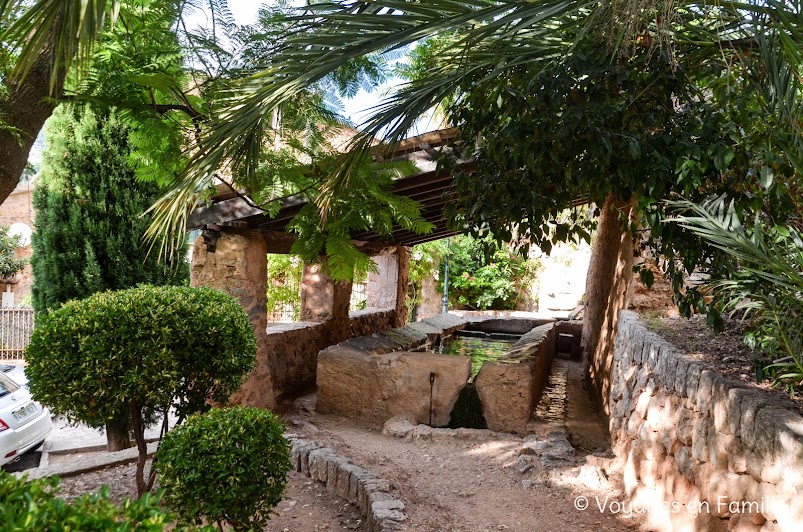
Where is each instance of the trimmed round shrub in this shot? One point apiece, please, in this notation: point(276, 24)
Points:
point(144, 349)
point(227, 466)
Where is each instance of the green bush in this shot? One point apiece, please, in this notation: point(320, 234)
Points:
point(136, 353)
point(35, 505)
point(228, 465)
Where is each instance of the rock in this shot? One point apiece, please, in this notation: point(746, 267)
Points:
point(374, 388)
point(593, 477)
point(398, 427)
point(523, 465)
point(448, 323)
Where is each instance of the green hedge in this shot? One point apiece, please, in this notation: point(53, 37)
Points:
point(226, 466)
point(35, 505)
point(153, 347)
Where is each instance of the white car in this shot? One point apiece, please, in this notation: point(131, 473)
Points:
point(24, 423)
point(17, 374)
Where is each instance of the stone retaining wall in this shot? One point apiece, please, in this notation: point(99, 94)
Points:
point(288, 366)
point(700, 451)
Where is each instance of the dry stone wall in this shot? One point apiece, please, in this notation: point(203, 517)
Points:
point(699, 451)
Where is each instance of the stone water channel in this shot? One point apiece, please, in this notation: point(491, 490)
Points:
point(403, 372)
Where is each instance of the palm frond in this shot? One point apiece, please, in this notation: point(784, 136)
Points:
point(67, 29)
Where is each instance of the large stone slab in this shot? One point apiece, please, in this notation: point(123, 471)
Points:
point(505, 325)
point(405, 338)
point(374, 388)
point(510, 388)
point(448, 323)
point(507, 395)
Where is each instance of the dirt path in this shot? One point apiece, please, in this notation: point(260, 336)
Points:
point(483, 484)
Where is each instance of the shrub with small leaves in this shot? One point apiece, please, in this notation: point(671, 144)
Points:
point(136, 353)
point(35, 505)
point(226, 466)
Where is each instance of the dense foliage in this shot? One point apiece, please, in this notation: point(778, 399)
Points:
point(482, 274)
point(10, 265)
point(284, 277)
point(588, 127)
point(35, 505)
point(226, 466)
point(89, 214)
point(137, 353)
point(764, 283)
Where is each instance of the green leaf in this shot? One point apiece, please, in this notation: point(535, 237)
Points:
point(766, 177)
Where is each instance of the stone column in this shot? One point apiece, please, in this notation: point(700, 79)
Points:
point(239, 268)
point(388, 288)
point(324, 300)
point(402, 282)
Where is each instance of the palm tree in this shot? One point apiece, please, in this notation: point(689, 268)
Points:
point(484, 40)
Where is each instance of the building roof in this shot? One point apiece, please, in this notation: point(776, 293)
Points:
point(432, 188)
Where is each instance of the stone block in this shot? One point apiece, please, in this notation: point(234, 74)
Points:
point(705, 391)
point(375, 388)
point(735, 396)
point(699, 439)
point(681, 374)
point(433, 333)
point(642, 404)
point(375, 344)
point(751, 404)
point(693, 373)
point(448, 323)
point(667, 366)
point(507, 395)
point(398, 427)
point(686, 465)
point(685, 427)
point(405, 338)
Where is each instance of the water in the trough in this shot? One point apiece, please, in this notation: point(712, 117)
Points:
point(479, 349)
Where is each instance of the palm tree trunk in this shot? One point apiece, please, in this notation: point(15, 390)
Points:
point(23, 112)
point(609, 274)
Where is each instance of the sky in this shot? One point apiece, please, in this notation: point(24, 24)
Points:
point(245, 12)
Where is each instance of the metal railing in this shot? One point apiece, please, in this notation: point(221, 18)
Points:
point(16, 326)
point(358, 298)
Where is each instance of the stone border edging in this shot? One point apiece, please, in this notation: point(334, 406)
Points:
point(350, 482)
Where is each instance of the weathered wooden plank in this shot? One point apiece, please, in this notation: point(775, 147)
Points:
point(224, 211)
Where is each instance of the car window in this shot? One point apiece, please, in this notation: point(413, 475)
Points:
point(7, 386)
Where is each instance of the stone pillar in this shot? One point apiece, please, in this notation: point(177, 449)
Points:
point(402, 282)
point(388, 288)
point(324, 300)
point(239, 268)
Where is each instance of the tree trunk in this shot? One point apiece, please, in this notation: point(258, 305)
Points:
point(142, 447)
point(609, 275)
point(117, 435)
point(23, 113)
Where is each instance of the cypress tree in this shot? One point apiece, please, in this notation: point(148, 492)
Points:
point(89, 206)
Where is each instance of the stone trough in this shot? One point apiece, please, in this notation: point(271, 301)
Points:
point(394, 373)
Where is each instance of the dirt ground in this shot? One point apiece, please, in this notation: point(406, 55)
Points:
point(306, 505)
point(446, 485)
point(725, 352)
